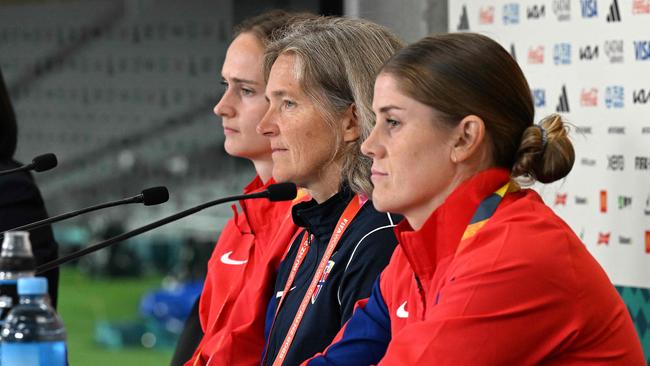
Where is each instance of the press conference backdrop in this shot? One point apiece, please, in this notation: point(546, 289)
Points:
point(589, 60)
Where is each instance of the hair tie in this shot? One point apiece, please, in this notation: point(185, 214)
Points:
point(544, 136)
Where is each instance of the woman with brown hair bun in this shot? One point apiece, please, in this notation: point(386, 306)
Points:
point(485, 273)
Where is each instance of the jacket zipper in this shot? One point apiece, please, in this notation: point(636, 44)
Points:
point(421, 293)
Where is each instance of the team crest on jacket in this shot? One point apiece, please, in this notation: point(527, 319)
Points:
point(322, 280)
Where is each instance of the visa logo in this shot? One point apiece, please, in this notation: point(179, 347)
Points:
point(539, 97)
point(589, 8)
point(642, 50)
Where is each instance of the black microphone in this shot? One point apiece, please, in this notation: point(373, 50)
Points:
point(40, 163)
point(148, 197)
point(275, 192)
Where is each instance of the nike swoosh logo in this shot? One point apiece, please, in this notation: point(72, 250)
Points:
point(280, 293)
point(401, 311)
point(225, 259)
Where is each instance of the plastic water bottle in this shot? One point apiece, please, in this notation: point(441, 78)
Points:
point(33, 333)
point(16, 261)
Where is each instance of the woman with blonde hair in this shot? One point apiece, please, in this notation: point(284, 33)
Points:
point(320, 75)
point(485, 273)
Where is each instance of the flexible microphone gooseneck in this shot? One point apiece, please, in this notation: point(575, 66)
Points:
point(275, 192)
point(148, 197)
point(40, 163)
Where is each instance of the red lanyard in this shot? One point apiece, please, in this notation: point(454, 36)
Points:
point(350, 212)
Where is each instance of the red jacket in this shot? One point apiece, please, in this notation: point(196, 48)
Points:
point(247, 255)
point(524, 290)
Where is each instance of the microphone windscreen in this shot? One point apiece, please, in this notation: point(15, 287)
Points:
point(282, 192)
point(44, 162)
point(155, 195)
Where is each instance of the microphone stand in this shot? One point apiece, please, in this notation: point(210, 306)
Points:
point(57, 262)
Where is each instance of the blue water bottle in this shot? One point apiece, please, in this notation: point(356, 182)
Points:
point(33, 333)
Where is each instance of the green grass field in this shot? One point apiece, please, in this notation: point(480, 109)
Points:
point(84, 301)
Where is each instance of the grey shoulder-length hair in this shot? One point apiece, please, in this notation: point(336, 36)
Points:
point(337, 60)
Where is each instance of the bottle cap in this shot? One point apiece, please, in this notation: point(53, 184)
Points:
point(32, 286)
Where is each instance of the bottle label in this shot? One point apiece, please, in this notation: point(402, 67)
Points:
point(33, 354)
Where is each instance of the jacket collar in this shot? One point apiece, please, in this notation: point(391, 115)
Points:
point(321, 219)
point(441, 233)
point(258, 211)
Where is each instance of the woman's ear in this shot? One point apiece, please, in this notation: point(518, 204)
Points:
point(469, 138)
point(350, 124)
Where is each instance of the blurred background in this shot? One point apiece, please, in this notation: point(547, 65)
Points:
point(122, 92)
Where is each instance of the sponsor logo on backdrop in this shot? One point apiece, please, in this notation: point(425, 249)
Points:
point(539, 97)
point(536, 11)
point(603, 238)
point(646, 209)
point(560, 199)
point(512, 51)
point(603, 201)
point(585, 130)
point(486, 15)
point(645, 130)
point(616, 130)
point(614, 96)
point(589, 97)
point(588, 162)
point(614, 51)
point(624, 202)
point(511, 13)
point(562, 53)
point(588, 52)
point(641, 96)
point(647, 242)
point(589, 8)
point(641, 7)
point(641, 163)
point(563, 103)
point(463, 23)
point(536, 55)
point(581, 200)
point(562, 9)
point(642, 50)
point(615, 162)
point(625, 240)
point(614, 14)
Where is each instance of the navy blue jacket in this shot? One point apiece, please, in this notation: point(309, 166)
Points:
point(362, 253)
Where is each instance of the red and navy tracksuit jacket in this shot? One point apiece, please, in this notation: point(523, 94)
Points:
point(247, 255)
point(362, 253)
point(522, 290)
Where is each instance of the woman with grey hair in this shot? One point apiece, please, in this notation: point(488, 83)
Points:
point(320, 81)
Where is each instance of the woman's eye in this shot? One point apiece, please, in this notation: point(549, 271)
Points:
point(289, 103)
point(392, 122)
point(246, 91)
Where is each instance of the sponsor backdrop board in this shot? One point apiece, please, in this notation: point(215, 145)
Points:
point(589, 60)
